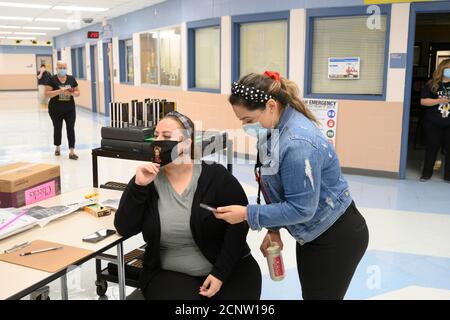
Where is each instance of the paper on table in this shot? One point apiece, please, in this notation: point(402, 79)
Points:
point(37, 215)
point(10, 224)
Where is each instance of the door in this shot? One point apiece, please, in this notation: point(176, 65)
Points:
point(94, 78)
point(44, 59)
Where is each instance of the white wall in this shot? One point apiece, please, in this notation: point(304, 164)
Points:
point(225, 55)
point(88, 61)
point(101, 77)
point(116, 60)
point(297, 42)
point(13, 63)
point(398, 44)
point(137, 59)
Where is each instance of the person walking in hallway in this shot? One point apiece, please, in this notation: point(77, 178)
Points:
point(61, 89)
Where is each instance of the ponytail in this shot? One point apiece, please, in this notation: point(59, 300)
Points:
point(284, 91)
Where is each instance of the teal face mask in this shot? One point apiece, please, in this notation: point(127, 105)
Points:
point(254, 129)
point(62, 72)
point(447, 72)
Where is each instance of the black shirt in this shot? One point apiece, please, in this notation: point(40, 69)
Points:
point(433, 113)
point(221, 243)
point(45, 77)
point(62, 101)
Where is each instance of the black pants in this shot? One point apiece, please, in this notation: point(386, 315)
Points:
point(58, 116)
point(436, 135)
point(326, 265)
point(243, 284)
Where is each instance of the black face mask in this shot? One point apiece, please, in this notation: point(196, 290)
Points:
point(161, 151)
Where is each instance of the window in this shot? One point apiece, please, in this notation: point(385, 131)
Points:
point(170, 57)
point(126, 61)
point(149, 58)
point(261, 43)
point(335, 39)
point(161, 57)
point(204, 58)
point(263, 47)
point(78, 63)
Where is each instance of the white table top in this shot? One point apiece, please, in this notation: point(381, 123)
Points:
point(68, 230)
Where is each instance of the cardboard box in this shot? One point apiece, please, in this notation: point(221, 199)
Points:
point(25, 183)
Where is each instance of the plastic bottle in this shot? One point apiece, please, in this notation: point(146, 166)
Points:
point(275, 262)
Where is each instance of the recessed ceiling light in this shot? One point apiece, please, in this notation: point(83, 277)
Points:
point(10, 27)
point(77, 8)
point(16, 18)
point(41, 28)
point(5, 32)
point(31, 33)
point(24, 5)
point(56, 20)
point(21, 38)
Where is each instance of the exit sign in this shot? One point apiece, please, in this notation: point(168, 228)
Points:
point(93, 35)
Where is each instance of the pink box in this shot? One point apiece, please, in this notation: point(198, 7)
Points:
point(39, 192)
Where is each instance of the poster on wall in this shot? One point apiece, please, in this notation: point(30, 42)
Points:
point(326, 112)
point(344, 68)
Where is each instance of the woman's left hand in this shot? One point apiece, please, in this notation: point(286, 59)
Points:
point(232, 214)
point(210, 287)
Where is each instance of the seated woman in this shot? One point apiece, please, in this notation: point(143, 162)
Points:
point(190, 254)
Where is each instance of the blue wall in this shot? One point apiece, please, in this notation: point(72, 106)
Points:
point(26, 49)
point(174, 12)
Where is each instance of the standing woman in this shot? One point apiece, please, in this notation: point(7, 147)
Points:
point(303, 186)
point(435, 97)
point(61, 89)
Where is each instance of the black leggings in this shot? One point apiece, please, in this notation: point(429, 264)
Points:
point(437, 135)
point(326, 265)
point(58, 116)
point(243, 284)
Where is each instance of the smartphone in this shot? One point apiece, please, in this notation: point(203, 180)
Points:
point(99, 235)
point(205, 206)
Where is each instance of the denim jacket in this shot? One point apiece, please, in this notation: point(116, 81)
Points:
point(302, 177)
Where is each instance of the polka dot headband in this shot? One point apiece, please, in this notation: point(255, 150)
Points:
point(249, 93)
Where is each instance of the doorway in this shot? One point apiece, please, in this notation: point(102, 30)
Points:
point(429, 44)
point(44, 59)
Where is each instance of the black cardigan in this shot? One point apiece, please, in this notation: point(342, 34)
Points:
point(221, 243)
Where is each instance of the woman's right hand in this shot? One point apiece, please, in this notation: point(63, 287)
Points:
point(443, 100)
point(273, 236)
point(146, 173)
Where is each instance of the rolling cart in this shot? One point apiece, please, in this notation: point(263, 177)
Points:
point(211, 143)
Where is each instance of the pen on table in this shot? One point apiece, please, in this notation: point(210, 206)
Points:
point(17, 247)
point(39, 251)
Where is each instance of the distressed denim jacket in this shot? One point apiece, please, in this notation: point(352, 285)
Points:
point(302, 177)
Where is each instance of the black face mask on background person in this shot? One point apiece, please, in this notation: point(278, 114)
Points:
point(161, 151)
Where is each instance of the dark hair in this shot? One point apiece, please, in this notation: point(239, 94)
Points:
point(284, 91)
point(192, 136)
point(43, 65)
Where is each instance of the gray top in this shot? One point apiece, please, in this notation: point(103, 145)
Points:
point(178, 250)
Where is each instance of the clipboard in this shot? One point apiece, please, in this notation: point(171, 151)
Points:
point(51, 261)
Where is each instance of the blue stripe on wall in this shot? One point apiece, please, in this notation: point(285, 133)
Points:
point(173, 12)
point(26, 49)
